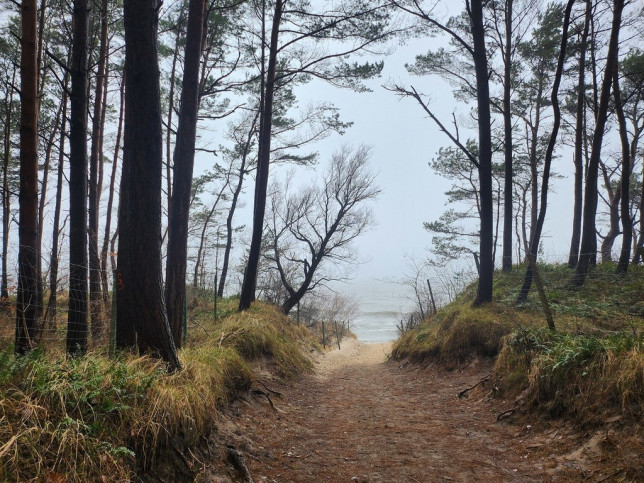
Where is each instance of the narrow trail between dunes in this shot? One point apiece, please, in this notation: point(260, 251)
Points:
point(359, 418)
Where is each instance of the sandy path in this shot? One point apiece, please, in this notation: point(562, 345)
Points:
point(360, 419)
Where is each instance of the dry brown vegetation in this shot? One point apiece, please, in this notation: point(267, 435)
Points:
point(95, 417)
point(591, 366)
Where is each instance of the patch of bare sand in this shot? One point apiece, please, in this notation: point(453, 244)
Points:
point(362, 419)
point(351, 352)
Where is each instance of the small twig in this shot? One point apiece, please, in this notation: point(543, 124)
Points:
point(257, 459)
point(462, 394)
point(60, 63)
point(224, 336)
point(188, 464)
point(267, 388)
point(619, 470)
point(265, 394)
point(202, 463)
point(505, 414)
point(201, 327)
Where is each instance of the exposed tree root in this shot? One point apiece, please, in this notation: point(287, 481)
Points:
point(237, 460)
point(464, 392)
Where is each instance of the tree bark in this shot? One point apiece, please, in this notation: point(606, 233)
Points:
point(637, 257)
point(579, 143)
point(6, 195)
point(486, 242)
point(261, 182)
point(536, 238)
point(507, 125)
point(614, 197)
point(27, 301)
point(95, 158)
point(588, 237)
point(233, 207)
point(77, 316)
point(184, 155)
point(52, 304)
point(42, 79)
point(110, 196)
point(627, 221)
point(168, 139)
point(141, 308)
point(534, 165)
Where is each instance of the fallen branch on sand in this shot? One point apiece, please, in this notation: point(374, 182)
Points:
point(505, 414)
point(464, 392)
point(278, 394)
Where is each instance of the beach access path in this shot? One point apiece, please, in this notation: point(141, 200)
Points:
point(360, 418)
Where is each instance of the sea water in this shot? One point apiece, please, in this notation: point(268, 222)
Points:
point(380, 305)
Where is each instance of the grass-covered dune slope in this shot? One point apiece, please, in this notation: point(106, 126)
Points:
point(95, 418)
point(593, 362)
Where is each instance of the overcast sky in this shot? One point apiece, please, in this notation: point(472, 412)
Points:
point(404, 141)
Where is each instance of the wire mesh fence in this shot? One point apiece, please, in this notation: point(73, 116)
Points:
point(98, 314)
point(52, 310)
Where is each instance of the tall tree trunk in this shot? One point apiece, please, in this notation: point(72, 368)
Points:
point(140, 304)
point(52, 307)
point(627, 221)
point(202, 243)
point(614, 197)
point(43, 192)
point(536, 238)
point(497, 223)
point(169, 133)
point(77, 316)
point(534, 164)
point(184, 156)
point(507, 125)
point(524, 218)
point(42, 79)
point(640, 241)
point(110, 195)
point(27, 303)
point(592, 243)
point(486, 242)
point(264, 154)
point(588, 236)
point(6, 195)
point(233, 207)
point(95, 296)
point(41, 48)
point(573, 256)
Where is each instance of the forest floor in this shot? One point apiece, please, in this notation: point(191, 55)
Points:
point(360, 418)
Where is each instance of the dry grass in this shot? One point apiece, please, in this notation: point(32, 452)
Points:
point(592, 364)
point(576, 375)
point(457, 334)
point(93, 417)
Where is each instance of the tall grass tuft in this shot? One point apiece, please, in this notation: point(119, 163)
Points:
point(456, 334)
point(93, 418)
point(606, 304)
point(577, 375)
